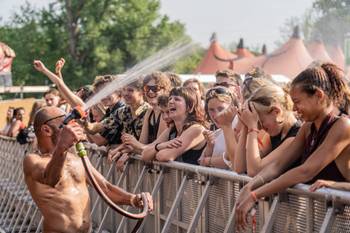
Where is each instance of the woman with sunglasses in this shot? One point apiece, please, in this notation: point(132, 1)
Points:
point(269, 108)
point(217, 100)
point(253, 81)
point(154, 85)
point(321, 149)
point(184, 141)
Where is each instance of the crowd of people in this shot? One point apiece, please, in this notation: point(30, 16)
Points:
point(280, 135)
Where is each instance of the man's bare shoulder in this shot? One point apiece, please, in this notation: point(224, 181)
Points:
point(32, 165)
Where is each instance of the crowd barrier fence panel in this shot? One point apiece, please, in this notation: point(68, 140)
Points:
point(187, 199)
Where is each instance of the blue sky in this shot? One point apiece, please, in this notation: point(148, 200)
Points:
point(257, 21)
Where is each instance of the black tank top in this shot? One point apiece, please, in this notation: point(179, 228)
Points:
point(191, 156)
point(277, 140)
point(153, 126)
point(313, 141)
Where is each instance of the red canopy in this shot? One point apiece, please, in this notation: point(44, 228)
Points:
point(213, 59)
point(318, 51)
point(337, 55)
point(241, 51)
point(289, 60)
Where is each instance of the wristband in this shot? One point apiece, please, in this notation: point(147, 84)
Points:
point(156, 147)
point(253, 194)
point(209, 163)
point(253, 130)
point(262, 179)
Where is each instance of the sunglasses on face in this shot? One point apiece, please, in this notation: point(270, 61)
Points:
point(53, 118)
point(154, 88)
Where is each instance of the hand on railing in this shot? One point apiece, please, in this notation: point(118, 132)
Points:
point(245, 202)
point(137, 202)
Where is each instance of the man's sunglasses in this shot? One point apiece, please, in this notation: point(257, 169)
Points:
point(53, 118)
point(154, 88)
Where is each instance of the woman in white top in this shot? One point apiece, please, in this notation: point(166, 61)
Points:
point(218, 99)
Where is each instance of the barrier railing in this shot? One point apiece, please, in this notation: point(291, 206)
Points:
point(187, 199)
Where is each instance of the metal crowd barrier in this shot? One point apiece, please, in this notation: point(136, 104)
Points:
point(187, 199)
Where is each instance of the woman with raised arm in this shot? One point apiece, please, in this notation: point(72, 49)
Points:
point(321, 149)
point(271, 109)
point(218, 100)
point(253, 81)
point(184, 141)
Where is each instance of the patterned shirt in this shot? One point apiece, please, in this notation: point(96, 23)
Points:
point(111, 131)
point(123, 121)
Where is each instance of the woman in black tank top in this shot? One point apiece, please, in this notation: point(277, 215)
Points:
point(269, 108)
point(184, 140)
point(154, 85)
point(321, 148)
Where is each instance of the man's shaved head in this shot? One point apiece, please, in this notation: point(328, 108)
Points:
point(45, 114)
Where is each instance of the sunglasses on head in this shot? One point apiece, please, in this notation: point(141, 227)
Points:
point(224, 84)
point(218, 90)
point(154, 88)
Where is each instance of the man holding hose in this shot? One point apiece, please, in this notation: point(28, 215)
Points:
point(56, 178)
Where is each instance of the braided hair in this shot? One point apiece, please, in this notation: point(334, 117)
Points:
point(330, 79)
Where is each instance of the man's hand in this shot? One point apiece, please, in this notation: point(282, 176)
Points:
point(136, 201)
point(39, 66)
point(71, 134)
point(59, 65)
point(121, 162)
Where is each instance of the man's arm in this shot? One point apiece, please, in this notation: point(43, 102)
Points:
point(69, 135)
point(116, 194)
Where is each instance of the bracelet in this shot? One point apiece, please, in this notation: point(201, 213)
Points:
point(261, 178)
point(253, 130)
point(253, 194)
point(209, 163)
point(156, 147)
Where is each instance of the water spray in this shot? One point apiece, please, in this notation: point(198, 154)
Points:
point(159, 60)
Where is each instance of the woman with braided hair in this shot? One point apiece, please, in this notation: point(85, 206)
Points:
point(321, 149)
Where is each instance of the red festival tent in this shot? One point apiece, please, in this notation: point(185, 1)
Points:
point(318, 51)
point(214, 58)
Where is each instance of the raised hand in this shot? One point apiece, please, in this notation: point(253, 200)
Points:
point(249, 116)
point(225, 117)
point(59, 65)
point(209, 137)
point(71, 134)
point(39, 66)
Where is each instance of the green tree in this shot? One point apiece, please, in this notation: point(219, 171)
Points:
point(95, 37)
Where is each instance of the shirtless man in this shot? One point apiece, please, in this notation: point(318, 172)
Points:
point(57, 180)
